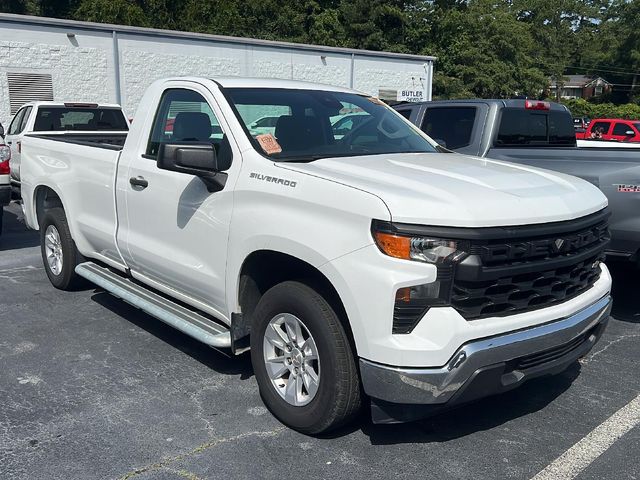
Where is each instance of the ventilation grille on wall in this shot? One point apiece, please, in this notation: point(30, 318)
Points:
point(388, 94)
point(28, 87)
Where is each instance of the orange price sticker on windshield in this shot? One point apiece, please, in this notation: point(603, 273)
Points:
point(269, 143)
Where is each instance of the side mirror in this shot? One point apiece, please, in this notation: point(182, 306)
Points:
point(630, 133)
point(197, 159)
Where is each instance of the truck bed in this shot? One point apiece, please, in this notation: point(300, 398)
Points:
point(110, 141)
point(86, 166)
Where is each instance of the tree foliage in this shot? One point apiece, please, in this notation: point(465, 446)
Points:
point(485, 48)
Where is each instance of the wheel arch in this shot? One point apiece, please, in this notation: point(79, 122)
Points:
point(263, 269)
point(45, 198)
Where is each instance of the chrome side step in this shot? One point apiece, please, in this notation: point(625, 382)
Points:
point(179, 317)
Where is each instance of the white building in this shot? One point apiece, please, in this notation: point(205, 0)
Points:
point(52, 59)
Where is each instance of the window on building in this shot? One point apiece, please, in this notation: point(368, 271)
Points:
point(452, 125)
point(28, 87)
point(572, 92)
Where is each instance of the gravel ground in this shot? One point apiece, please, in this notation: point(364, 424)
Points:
point(92, 388)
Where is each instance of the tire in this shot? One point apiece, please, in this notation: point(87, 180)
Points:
point(1, 219)
point(60, 245)
point(336, 395)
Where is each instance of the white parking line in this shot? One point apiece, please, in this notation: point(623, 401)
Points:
point(582, 454)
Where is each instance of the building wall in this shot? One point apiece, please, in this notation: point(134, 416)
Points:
point(83, 67)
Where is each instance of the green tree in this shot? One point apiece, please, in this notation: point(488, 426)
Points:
point(111, 11)
point(484, 46)
point(375, 24)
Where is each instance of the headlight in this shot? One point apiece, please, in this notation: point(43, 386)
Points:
point(411, 303)
point(414, 247)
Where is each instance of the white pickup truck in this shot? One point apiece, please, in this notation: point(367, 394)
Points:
point(5, 186)
point(78, 121)
point(371, 266)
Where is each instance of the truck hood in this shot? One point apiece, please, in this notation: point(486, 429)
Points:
point(457, 190)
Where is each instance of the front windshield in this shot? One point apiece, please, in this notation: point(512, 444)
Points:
point(306, 125)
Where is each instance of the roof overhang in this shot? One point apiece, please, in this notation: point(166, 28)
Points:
point(154, 32)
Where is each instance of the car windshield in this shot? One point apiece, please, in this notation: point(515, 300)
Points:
point(313, 124)
point(637, 125)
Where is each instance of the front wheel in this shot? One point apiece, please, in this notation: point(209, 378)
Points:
point(59, 253)
point(302, 359)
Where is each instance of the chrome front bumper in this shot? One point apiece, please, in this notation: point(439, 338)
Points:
point(491, 365)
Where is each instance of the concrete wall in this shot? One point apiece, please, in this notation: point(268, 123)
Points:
point(80, 57)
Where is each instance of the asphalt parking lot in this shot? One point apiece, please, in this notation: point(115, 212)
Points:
point(92, 388)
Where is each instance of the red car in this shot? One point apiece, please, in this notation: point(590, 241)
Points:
point(613, 130)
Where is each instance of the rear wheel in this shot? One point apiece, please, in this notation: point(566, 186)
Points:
point(59, 253)
point(303, 362)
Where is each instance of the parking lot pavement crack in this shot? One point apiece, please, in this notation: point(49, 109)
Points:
point(605, 347)
point(16, 275)
point(164, 464)
point(183, 473)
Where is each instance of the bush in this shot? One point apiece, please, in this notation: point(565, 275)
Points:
point(579, 107)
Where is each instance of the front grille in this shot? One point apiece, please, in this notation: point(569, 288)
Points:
point(540, 358)
point(405, 317)
point(524, 292)
point(502, 277)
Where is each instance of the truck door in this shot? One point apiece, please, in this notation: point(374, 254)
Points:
point(174, 232)
point(599, 131)
point(623, 132)
point(14, 139)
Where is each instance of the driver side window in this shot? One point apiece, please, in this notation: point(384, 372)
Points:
point(184, 116)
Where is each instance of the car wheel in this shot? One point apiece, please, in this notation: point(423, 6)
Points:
point(59, 253)
point(303, 361)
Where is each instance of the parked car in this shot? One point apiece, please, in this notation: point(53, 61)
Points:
point(81, 121)
point(581, 123)
point(370, 264)
point(5, 183)
point(343, 124)
point(540, 134)
point(612, 130)
point(266, 124)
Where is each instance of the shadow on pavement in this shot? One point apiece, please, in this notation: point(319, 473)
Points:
point(15, 234)
point(626, 291)
point(216, 360)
